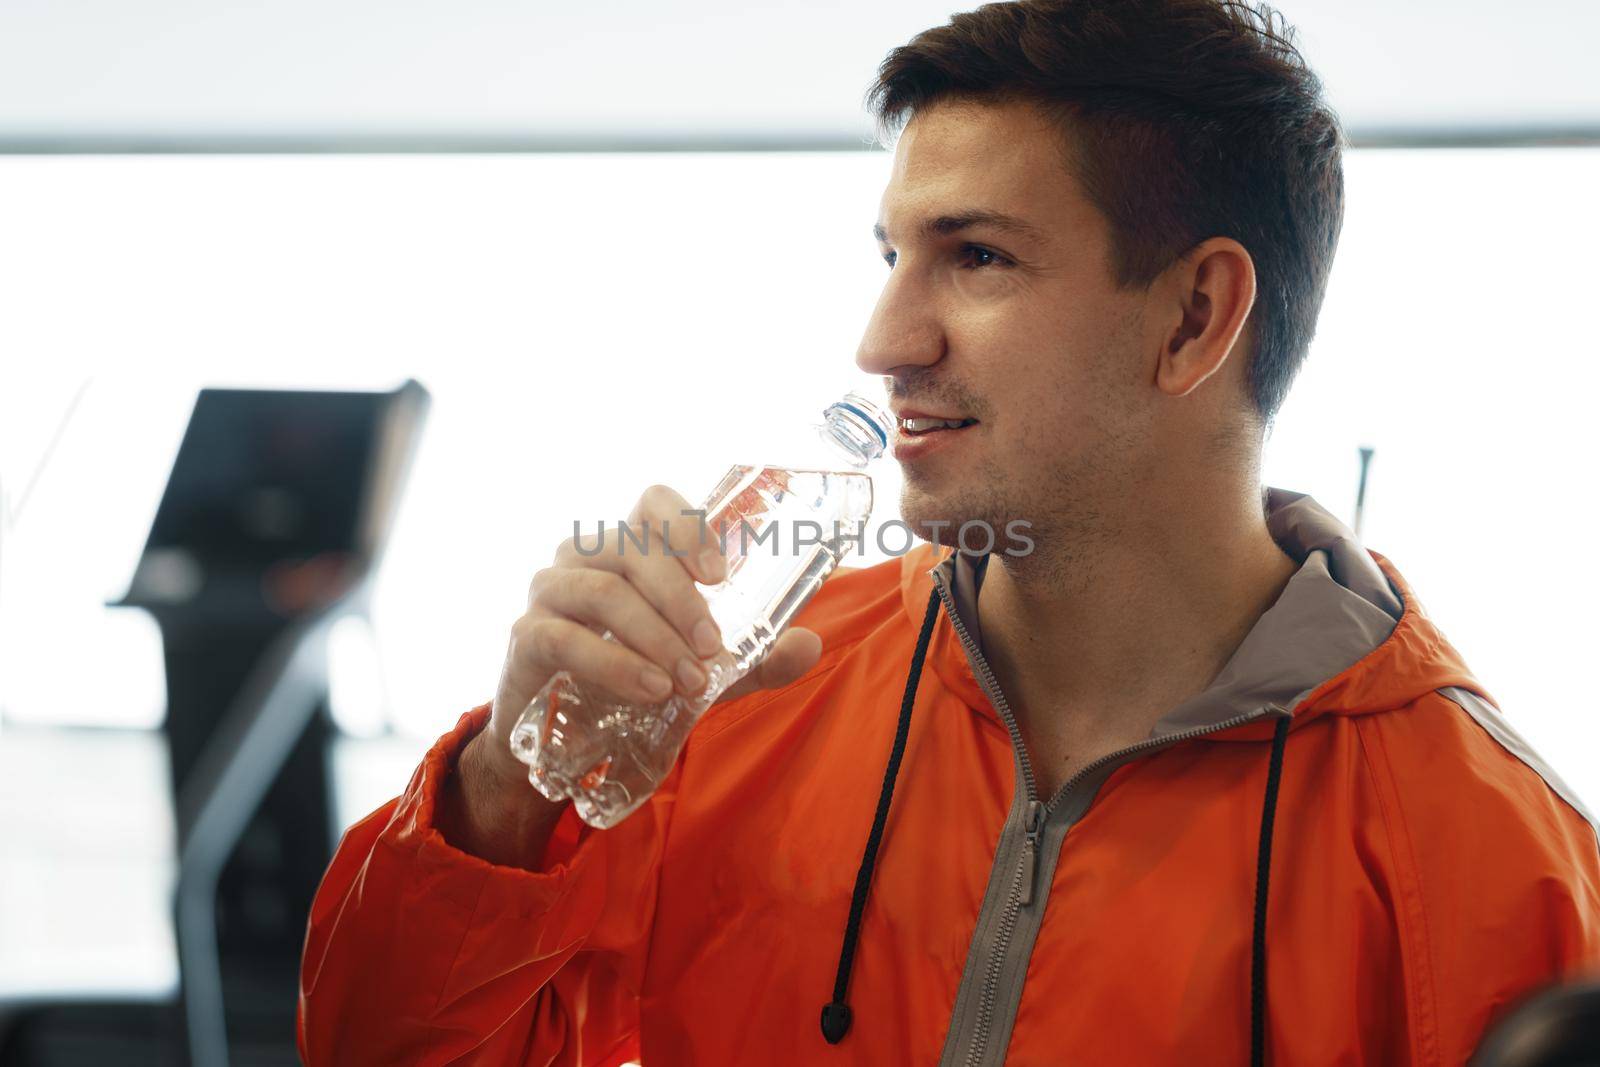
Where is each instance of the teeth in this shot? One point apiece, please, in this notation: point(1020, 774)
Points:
point(924, 425)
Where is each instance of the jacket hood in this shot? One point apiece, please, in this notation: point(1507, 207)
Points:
point(1346, 636)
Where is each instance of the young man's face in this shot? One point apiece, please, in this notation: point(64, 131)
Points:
point(1000, 307)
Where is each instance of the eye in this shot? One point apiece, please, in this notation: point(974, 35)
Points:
point(889, 258)
point(978, 257)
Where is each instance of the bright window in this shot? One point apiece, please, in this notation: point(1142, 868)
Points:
point(589, 324)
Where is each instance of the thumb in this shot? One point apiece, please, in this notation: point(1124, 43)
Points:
point(797, 650)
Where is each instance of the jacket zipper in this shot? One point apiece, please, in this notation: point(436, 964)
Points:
point(1023, 887)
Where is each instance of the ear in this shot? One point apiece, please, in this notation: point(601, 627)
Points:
point(1212, 289)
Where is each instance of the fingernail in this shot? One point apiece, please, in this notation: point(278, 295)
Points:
point(656, 681)
point(707, 641)
point(692, 677)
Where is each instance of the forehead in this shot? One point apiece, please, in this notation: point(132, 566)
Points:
point(955, 156)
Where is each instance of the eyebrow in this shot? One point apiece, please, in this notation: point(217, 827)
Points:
point(945, 225)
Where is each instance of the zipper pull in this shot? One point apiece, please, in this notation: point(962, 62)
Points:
point(1033, 826)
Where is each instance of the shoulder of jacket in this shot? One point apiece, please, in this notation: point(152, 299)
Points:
point(1451, 753)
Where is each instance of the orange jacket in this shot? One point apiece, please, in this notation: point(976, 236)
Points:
point(1422, 868)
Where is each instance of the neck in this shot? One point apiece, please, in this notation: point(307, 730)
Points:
point(1101, 633)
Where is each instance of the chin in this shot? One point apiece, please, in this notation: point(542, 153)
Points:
point(958, 506)
point(920, 510)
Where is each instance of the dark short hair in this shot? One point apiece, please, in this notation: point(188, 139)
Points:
point(1183, 120)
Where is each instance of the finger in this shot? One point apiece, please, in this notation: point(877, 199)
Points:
point(607, 601)
point(684, 530)
point(661, 580)
point(661, 522)
point(656, 551)
point(542, 646)
point(797, 650)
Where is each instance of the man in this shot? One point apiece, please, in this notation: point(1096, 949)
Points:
point(1194, 781)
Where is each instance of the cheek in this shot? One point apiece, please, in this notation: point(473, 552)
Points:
point(1053, 368)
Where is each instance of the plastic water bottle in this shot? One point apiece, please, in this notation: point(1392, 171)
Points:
point(782, 531)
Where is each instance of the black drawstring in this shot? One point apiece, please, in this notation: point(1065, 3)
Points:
point(836, 1013)
point(1258, 960)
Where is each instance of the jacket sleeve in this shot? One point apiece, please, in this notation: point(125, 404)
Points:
point(418, 953)
point(1496, 878)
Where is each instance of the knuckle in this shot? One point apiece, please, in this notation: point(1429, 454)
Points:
point(656, 503)
point(541, 580)
point(552, 643)
point(531, 639)
point(583, 546)
point(603, 589)
point(645, 504)
point(588, 544)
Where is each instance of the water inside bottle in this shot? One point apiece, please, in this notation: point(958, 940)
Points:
point(782, 531)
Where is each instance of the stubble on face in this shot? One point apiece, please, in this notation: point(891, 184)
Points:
point(1050, 478)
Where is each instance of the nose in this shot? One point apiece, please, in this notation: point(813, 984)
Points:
point(904, 329)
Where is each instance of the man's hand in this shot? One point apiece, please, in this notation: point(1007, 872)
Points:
point(664, 632)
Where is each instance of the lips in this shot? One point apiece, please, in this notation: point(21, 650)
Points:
point(920, 436)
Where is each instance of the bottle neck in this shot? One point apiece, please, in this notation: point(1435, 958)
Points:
point(858, 427)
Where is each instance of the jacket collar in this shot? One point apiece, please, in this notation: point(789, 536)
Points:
point(1346, 635)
